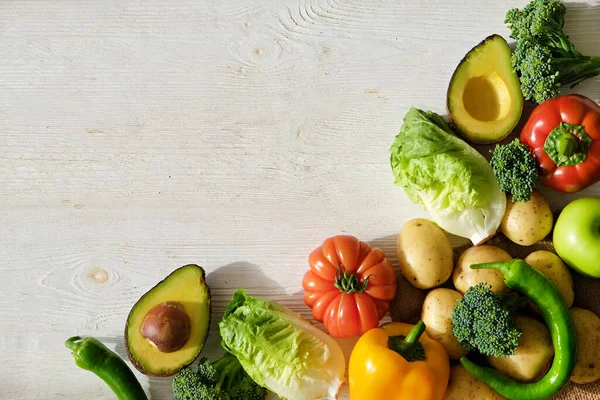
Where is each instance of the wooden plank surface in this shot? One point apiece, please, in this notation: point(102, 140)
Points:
point(137, 136)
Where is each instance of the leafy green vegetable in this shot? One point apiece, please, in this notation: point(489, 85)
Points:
point(450, 179)
point(224, 379)
point(485, 321)
point(282, 351)
point(544, 56)
point(516, 170)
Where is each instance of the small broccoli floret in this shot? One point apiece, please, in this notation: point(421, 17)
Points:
point(224, 379)
point(516, 170)
point(247, 389)
point(195, 385)
point(542, 21)
point(544, 57)
point(484, 321)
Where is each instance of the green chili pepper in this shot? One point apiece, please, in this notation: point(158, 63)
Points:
point(90, 354)
point(525, 279)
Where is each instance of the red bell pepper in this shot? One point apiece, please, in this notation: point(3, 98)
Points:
point(564, 136)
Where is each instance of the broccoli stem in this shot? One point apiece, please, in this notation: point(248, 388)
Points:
point(512, 302)
point(228, 367)
point(222, 363)
point(561, 45)
point(573, 71)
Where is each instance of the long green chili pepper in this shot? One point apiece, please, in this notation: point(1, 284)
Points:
point(90, 354)
point(525, 279)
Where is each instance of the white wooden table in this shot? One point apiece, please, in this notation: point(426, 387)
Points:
point(138, 136)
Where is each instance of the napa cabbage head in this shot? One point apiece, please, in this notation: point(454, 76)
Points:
point(449, 178)
point(282, 351)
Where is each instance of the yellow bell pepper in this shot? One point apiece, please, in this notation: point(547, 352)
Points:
point(398, 361)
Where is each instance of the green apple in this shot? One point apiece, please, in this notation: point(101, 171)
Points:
point(577, 235)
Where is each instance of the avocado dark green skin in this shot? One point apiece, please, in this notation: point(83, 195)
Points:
point(452, 78)
point(132, 358)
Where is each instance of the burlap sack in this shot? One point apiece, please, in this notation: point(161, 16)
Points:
point(407, 305)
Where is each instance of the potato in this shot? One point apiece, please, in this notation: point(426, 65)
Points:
point(437, 316)
point(533, 356)
point(527, 223)
point(464, 386)
point(464, 277)
point(555, 269)
point(424, 253)
point(587, 326)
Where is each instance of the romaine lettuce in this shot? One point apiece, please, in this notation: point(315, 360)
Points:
point(450, 179)
point(282, 351)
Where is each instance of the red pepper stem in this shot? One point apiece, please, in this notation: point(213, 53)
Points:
point(567, 144)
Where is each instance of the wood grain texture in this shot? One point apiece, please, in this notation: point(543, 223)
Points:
point(137, 136)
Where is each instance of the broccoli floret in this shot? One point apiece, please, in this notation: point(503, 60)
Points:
point(544, 57)
point(224, 379)
point(484, 321)
point(189, 384)
point(516, 170)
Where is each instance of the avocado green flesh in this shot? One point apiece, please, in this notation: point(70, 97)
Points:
point(484, 99)
point(188, 287)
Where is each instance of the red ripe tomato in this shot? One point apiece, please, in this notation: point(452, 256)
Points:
point(349, 285)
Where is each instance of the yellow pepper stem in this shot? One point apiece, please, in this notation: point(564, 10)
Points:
point(409, 346)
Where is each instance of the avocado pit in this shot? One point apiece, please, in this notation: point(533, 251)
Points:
point(167, 326)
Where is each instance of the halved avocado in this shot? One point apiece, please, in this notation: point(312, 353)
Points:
point(484, 99)
point(167, 328)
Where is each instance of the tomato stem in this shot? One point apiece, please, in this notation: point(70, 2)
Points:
point(348, 283)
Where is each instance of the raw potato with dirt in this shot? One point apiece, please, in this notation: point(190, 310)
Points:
point(463, 386)
point(464, 276)
point(555, 269)
point(533, 355)
point(526, 223)
point(437, 316)
point(587, 326)
point(424, 254)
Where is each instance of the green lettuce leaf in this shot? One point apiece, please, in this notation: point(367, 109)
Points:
point(282, 351)
point(450, 179)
